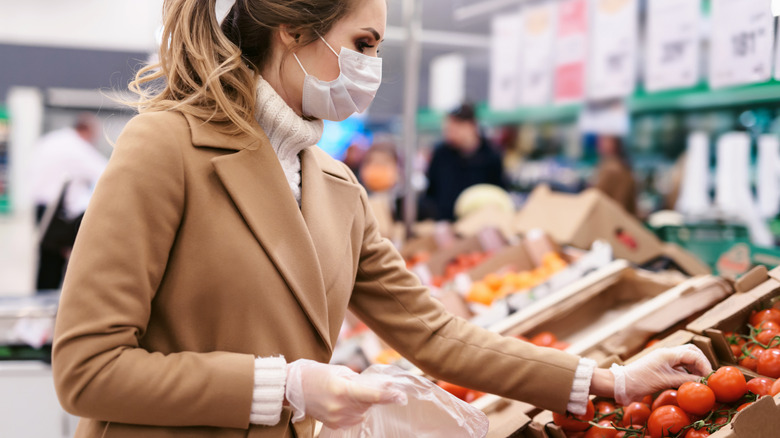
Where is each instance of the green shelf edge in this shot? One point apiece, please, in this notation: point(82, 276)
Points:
point(699, 97)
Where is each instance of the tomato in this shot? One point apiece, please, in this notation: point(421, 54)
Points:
point(757, 318)
point(458, 391)
point(603, 408)
point(736, 350)
point(604, 431)
point(750, 361)
point(743, 406)
point(767, 332)
point(667, 421)
point(574, 423)
point(668, 397)
point(544, 339)
point(760, 386)
point(648, 400)
point(693, 433)
point(472, 395)
point(635, 413)
point(775, 388)
point(728, 384)
point(769, 363)
point(695, 398)
point(560, 345)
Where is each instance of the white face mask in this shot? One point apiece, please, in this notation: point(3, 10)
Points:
point(351, 92)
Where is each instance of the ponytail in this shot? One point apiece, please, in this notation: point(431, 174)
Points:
point(199, 72)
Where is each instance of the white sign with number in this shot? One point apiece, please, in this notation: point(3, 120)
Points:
point(505, 61)
point(673, 47)
point(537, 55)
point(741, 42)
point(612, 70)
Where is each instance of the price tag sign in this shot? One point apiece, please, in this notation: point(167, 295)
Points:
point(571, 50)
point(741, 42)
point(673, 47)
point(612, 70)
point(505, 61)
point(537, 55)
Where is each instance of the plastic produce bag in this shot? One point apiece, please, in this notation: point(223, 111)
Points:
point(430, 411)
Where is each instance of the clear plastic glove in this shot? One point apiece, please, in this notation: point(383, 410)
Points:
point(662, 369)
point(328, 394)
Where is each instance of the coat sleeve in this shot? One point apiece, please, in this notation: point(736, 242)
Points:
point(393, 303)
point(118, 263)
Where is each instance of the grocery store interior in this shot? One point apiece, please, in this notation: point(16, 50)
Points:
point(598, 177)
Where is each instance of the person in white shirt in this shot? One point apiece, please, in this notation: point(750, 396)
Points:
point(64, 156)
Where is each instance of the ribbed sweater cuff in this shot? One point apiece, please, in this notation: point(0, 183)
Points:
point(268, 393)
point(580, 390)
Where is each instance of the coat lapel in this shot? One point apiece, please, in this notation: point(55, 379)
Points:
point(328, 207)
point(256, 183)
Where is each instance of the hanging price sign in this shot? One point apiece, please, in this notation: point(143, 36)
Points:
point(612, 70)
point(741, 43)
point(537, 54)
point(571, 50)
point(505, 61)
point(672, 44)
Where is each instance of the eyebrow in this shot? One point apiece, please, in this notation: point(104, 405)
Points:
point(373, 31)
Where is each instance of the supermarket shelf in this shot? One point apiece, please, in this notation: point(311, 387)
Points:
point(697, 98)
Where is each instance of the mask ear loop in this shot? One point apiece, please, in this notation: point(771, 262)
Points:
point(301, 65)
point(326, 43)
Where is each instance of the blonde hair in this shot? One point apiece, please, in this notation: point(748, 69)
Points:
point(211, 72)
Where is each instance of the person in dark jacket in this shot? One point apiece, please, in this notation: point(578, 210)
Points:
point(463, 159)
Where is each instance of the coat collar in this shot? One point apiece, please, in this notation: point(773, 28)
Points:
point(307, 245)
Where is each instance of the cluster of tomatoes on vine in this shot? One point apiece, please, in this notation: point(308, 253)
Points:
point(759, 349)
point(694, 410)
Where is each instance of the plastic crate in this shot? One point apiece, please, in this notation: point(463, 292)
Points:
point(706, 240)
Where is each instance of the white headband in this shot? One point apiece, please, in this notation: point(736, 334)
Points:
point(222, 9)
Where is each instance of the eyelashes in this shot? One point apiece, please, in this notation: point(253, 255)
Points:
point(362, 45)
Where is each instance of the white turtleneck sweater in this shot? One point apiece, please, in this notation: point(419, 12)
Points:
point(288, 132)
point(289, 135)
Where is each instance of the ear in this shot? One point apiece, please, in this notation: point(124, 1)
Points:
point(288, 35)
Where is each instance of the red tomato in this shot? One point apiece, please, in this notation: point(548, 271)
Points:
point(728, 384)
point(775, 388)
point(769, 363)
point(648, 400)
point(736, 350)
point(635, 413)
point(693, 433)
point(574, 423)
point(604, 431)
point(750, 361)
point(603, 408)
point(667, 421)
point(668, 397)
point(743, 406)
point(651, 343)
point(757, 318)
point(544, 339)
point(766, 335)
point(472, 395)
point(760, 386)
point(695, 398)
point(457, 391)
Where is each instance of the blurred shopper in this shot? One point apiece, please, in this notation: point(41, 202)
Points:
point(613, 175)
point(380, 175)
point(353, 156)
point(464, 158)
point(222, 248)
point(66, 166)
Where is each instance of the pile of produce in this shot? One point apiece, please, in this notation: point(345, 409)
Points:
point(495, 286)
point(694, 410)
point(759, 348)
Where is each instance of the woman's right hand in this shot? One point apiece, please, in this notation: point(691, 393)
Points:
point(329, 394)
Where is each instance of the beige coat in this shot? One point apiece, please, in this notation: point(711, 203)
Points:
point(193, 258)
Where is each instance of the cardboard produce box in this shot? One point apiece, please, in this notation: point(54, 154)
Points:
point(756, 290)
point(579, 220)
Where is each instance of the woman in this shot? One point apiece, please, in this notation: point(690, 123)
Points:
point(221, 249)
point(613, 176)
